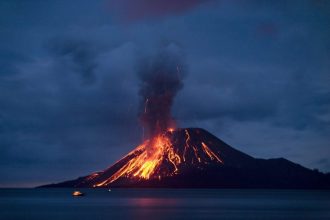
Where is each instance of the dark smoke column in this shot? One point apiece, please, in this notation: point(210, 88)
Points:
point(161, 78)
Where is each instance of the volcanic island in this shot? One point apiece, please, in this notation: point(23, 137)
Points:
point(173, 157)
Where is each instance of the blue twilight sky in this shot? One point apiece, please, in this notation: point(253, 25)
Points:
point(258, 78)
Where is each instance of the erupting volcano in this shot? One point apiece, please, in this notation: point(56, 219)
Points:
point(166, 155)
point(190, 157)
point(193, 157)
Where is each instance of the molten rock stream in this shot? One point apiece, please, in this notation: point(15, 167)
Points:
point(162, 156)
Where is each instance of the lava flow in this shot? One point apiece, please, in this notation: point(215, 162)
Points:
point(165, 155)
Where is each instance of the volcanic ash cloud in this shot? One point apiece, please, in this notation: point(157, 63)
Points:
point(161, 78)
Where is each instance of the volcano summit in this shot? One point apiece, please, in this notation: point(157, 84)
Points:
point(193, 157)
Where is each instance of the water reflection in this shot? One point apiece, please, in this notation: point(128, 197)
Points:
point(53, 204)
point(154, 202)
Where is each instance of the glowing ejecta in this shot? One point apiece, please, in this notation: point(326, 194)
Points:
point(161, 78)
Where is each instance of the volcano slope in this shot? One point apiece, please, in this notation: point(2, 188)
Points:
point(194, 158)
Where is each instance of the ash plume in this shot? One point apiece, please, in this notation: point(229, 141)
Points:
point(161, 77)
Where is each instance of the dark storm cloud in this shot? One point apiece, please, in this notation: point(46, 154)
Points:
point(290, 99)
point(77, 55)
point(47, 114)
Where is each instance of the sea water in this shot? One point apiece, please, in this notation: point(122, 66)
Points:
point(148, 204)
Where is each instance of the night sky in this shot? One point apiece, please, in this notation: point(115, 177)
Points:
point(257, 76)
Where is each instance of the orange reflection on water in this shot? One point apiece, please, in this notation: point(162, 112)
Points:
point(154, 202)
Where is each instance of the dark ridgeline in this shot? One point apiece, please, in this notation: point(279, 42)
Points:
point(226, 168)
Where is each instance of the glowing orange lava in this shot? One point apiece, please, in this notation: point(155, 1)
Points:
point(147, 160)
point(149, 155)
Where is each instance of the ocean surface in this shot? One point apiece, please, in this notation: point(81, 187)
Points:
point(148, 204)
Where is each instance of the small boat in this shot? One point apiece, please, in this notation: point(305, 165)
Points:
point(77, 193)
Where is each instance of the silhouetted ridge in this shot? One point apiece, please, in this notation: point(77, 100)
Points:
point(193, 157)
